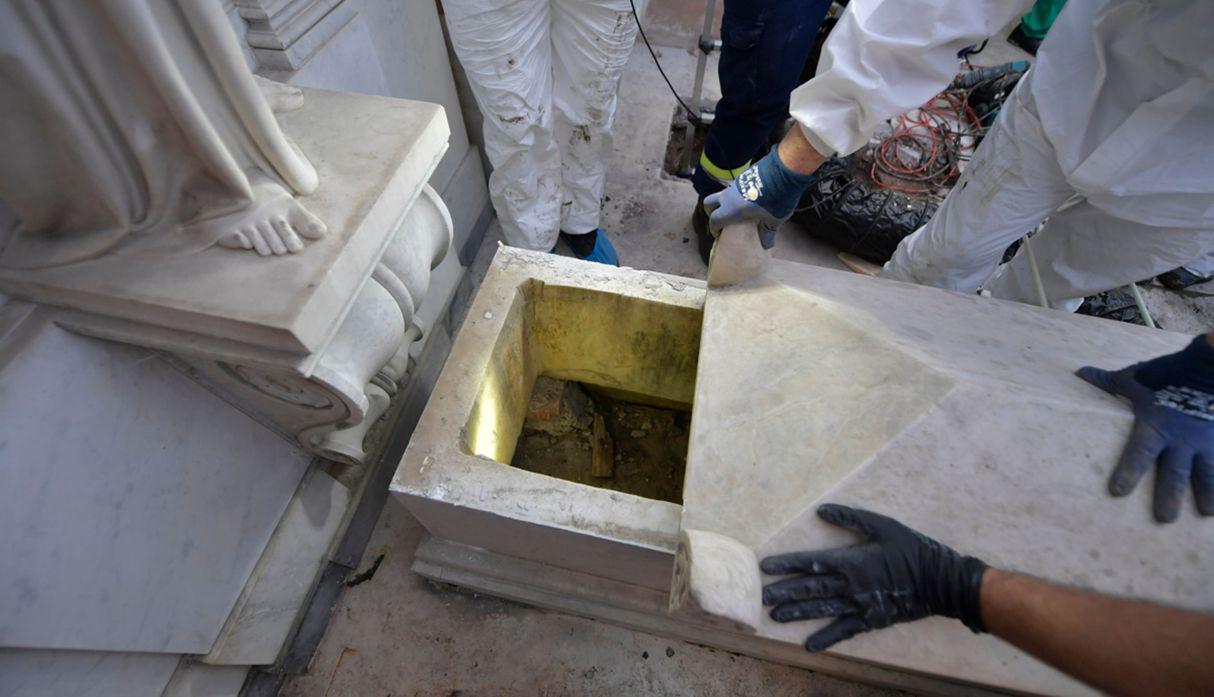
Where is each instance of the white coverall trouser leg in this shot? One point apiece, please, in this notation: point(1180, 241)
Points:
point(1013, 183)
point(545, 75)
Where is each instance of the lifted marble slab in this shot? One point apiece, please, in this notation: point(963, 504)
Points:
point(957, 414)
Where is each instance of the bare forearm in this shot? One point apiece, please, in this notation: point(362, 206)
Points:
point(797, 154)
point(1117, 645)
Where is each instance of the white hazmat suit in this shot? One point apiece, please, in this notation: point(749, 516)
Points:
point(1110, 135)
point(545, 75)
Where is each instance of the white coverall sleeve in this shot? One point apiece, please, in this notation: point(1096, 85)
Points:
point(886, 57)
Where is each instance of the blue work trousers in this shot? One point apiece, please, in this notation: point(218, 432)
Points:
point(765, 44)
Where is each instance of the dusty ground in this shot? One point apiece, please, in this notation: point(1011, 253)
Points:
point(1189, 312)
point(397, 634)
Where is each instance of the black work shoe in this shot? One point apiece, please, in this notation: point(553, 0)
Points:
point(1179, 279)
point(704, 238)
point(1024, 41)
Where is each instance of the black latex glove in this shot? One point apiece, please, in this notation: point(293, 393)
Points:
point(898, 575)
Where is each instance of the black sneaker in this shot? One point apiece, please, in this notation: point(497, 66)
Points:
point(704, 238)
point(1179, 279)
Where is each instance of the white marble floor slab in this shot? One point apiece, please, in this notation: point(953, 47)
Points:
point(134, 504)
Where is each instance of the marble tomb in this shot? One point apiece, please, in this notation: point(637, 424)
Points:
point(960, 415)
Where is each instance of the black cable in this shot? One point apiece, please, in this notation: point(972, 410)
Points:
point(693, 117)
point(965, 53)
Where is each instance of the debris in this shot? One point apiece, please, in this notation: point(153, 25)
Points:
point(557, 407)
point(602, 463)
point(367, 575)
point(860, 266)
point(650, 464)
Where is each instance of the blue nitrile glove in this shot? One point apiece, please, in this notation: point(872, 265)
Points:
point(766, 192)
point(1173, 401)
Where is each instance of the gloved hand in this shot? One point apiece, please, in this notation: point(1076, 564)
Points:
point(1173, 401)
point(766, 192)
point(898, 575)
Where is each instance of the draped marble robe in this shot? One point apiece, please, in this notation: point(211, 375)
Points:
point(135, 127)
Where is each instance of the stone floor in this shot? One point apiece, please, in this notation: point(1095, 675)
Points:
point(397, 634)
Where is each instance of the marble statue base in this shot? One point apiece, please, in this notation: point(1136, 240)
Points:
point(185, 438)
point(312, 343)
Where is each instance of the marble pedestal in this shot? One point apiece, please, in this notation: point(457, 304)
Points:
point(183, 438)
point(312, 343)
point(958, 414)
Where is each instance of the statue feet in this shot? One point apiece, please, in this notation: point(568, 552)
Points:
point(276, 222)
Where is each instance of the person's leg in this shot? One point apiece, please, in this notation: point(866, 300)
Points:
point(591, 42)
point(1012, 183)
point(1037, 21)
point(765, 44)
point(505, 49)
point(1082, 250)
point(1033, 27)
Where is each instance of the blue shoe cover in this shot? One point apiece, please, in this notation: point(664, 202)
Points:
point(602, 253)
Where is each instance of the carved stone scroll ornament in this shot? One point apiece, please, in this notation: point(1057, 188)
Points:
point(330, 411)
point(135, 127)
point(404, 272)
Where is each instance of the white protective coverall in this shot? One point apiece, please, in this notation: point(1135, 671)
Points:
point(1110, 134)
point(545, 75)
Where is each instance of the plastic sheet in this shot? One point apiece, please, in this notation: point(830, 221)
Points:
point(844, 209)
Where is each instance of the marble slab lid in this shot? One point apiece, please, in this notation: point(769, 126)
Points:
point(959, 415)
